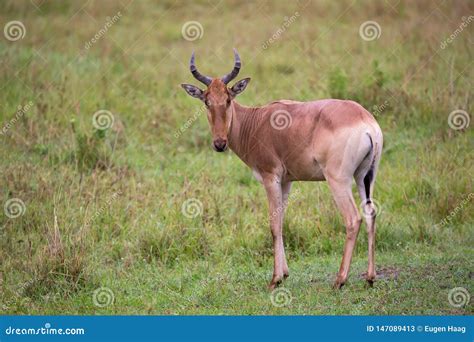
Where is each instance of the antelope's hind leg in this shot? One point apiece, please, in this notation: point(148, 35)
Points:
point(342, 193)
point(365, 186)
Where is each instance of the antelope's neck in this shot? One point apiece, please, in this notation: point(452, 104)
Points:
point(243, 126)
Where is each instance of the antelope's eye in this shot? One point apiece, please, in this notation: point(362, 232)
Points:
point(207, 103)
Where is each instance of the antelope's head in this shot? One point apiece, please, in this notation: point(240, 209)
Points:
point(218, 100)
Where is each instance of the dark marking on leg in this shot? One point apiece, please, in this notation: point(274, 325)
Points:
point(367, 180)
point(370, 174)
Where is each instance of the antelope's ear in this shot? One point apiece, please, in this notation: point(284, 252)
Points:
point(239, 87)
point(193, 91)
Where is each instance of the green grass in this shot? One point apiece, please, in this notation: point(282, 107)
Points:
point(104, 208)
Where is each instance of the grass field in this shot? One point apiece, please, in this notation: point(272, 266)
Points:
point(144, 218)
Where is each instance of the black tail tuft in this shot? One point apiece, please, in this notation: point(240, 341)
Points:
point(367, 180)
point(370, 174)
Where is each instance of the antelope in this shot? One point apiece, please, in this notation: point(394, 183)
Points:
point(287, 141)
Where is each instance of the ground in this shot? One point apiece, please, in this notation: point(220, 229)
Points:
point(137, 215)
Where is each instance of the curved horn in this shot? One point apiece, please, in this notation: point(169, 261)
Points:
point(197, 75)
point(233, 74)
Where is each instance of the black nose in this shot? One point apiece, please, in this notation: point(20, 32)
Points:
point(220, 144)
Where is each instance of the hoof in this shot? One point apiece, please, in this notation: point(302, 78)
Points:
point(286, 275)
point(370, 281)
point(276, 281)
point(339, 283)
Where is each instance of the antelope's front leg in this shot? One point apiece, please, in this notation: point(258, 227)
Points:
point(285, 188)
point(275, 201)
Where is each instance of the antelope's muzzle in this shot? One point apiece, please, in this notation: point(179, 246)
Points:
point(220, 145)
